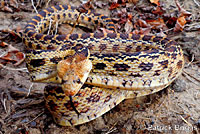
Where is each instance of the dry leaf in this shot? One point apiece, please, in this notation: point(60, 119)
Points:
point(113, 6)
point(157, 24)
point(135, 32)
point(155, 2)
point(3, 44)
point(13, 56)
point(171, 21)
point(142, 23)
point(145, 31)
point(7, 9)
point(180, 24)
point(130, 16)
point(158, 11)
point(85, 7)
point(133, 1)
point(128, 26)
point(183, 12)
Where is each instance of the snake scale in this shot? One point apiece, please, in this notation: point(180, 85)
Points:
point(93, 72)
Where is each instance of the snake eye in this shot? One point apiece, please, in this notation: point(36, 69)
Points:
point(79, 81)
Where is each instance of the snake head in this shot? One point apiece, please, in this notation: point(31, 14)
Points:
point(74, 71)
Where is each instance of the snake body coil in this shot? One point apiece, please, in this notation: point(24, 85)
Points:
point(112, 66)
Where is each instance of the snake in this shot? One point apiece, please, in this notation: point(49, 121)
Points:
point(88, 74)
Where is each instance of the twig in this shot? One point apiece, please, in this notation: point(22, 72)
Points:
point(35, 118)
point(178, 4)
point(176, 112)
point(197, 94)
point(29, 90)
point(4, 103)
point(190, 61)
point(56, 28)
point(34, 6)
point(75, 24)
point(50, 21)
point(194, 25)
point(84, 6)
point(189, 124)
point(196, 3)
point(38, 3)
point(113, 128)
point(2, 54)
point(191, 76)
point(14, 69)
point(168, 30)
point(47, 3)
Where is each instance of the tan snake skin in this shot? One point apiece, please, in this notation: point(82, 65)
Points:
point(93, 72)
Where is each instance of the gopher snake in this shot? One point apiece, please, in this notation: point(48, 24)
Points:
point(95, 71)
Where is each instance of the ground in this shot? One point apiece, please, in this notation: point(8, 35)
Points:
point(175, 109)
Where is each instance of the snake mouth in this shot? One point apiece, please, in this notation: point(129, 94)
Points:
point(72, 105)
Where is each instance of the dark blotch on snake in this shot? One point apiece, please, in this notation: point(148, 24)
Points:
point(128, 48)
point(98, 35)
point(131, 59)
point(93, 98)
point(107, 98)
point(145, 66)
point(146, 37)
point(42, 13)
point(171, 49)
point(135, 36)
point(112, 35)
point(48, 37)
point(164, 64)
point(180, 64)
point(55, 60)
point(73, 36)
point(157, 39)
point(69, 15)
point(164, 41)
point(30, 34)
point(65, 7)
point(60, 37)
point(58, 7)
point(37, 18)
point(121, 67)
point(100, 66)
point(102, 47)
point(38, 36)
point(52, 105)
point(37, 62)
point(50, 9)
point(85, 35)
point(135, 75)
point(124, 36)
point(33, 22)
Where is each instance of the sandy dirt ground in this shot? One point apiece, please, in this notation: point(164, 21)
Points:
point(175, 109)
